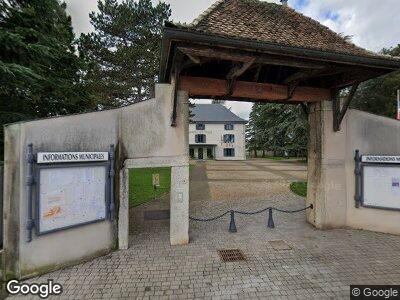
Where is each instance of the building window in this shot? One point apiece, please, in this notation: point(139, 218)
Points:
point(229, 152)
point(229, 138)
point(228, 126)
point(200, 138)
point(200, 126)
point(191, 153)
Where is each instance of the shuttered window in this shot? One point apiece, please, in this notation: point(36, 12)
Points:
point(200, 138)
point(229, 152)
point(229, 138)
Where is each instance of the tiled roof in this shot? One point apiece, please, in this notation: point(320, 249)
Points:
point(214, 113)
point(272, 23)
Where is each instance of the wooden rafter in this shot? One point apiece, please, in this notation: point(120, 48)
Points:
point(241, 56)
point(305, 108)
point(340, 112)
point(194, 59)
point(234, 73)
point(240, 69)
point(179, 62)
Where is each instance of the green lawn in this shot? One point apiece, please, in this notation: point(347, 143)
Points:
point(283, 158)
point(277, 158)
point(141, 188)
point(299, 188)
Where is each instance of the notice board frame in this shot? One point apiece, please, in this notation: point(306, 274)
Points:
point(360, 166)
point(107, 199)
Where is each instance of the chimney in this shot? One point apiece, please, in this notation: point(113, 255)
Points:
point(284, 2)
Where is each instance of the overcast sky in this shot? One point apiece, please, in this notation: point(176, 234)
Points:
point(373, 24)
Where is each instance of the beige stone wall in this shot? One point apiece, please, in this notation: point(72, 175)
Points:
point(139, 131)
point(331, 168)
point(370, 134)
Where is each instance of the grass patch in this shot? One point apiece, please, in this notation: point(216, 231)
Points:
point(300, 159)
point(277, 157)
point(141, 188)
point(299, 188)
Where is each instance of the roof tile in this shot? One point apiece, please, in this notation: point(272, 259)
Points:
point(273, 23)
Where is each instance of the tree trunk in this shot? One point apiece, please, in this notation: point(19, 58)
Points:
point(263, 155)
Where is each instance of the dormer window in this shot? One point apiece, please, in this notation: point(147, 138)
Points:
point(200, 126)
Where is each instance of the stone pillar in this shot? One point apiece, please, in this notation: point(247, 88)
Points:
point(123, 214)
point(326, 169)
point(179, 222)
point(179, 219)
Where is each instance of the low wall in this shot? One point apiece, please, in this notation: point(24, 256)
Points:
point(138, 131)
point(371, 135)
point(331, 168)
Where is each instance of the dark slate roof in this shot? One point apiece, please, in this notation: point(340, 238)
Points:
point(272, 23)
point(213, 113)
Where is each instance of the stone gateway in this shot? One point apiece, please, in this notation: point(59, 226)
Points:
point(221, 55)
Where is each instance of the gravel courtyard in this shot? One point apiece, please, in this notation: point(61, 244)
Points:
point(292, 261)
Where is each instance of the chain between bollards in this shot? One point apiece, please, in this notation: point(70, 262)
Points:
point(232, 224)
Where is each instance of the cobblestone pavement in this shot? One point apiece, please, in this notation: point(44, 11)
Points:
point(319, 265)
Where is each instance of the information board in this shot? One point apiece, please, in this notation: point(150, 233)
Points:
point(69, 157)
point(381, 186)
point(70, 196)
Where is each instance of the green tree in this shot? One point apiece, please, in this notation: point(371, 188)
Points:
point(378, 95)
point(282, 129)
point(39, 71)
point(123, 52)
point(253, 136)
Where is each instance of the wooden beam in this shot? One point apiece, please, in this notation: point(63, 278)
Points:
point(338, 112)
point(305, 108)
point(240, 56)
point(335, 108)
point(234, 73)
point(194, 59)
point(216, 88)
point(307, 74)
point(179, 61)
point(239, 70)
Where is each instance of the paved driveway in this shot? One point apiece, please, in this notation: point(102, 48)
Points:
point(319, 264)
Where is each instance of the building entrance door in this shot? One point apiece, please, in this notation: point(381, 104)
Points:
point(209, 153)
point(200, 153)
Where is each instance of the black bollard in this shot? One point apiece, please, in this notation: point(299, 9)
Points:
point(232, 225)
point(270, 219)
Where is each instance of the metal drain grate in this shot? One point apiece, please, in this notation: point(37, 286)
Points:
point(231, 255)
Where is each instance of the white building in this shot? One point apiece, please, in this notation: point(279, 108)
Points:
point(216, 133)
